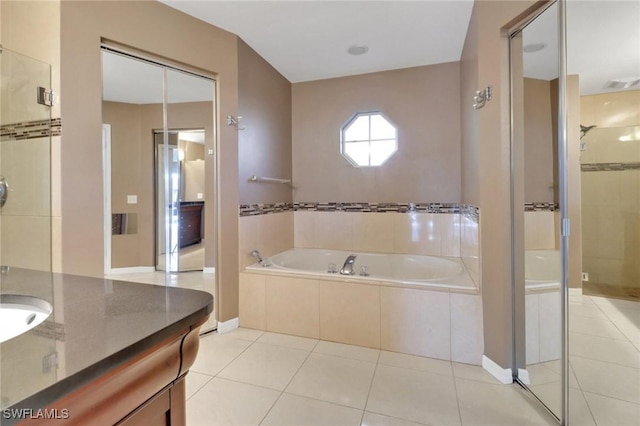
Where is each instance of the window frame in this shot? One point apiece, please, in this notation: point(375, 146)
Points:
point(352, 119)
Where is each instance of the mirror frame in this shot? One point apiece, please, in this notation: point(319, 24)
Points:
point(518, 305)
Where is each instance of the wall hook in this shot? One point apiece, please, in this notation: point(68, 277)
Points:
point(482, 96)
point(235, 122)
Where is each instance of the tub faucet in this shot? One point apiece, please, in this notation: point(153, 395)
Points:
point(256, 254)
point(347, 268)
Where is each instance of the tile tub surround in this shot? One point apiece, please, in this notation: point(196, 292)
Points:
point(434, 229)
point(438, 324)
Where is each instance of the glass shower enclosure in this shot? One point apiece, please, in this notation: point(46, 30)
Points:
point(25, 165)
point(25, 218)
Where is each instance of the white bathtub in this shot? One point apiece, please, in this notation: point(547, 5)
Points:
point(542, 269)
point(385, 269)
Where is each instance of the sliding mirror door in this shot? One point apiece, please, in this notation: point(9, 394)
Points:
point(536, 203)
point(159, 167)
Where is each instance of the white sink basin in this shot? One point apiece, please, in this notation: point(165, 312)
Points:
point(19, 314)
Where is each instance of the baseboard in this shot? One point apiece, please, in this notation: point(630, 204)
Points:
point(503, 375)
point(227, 326)
point(132, 270)
point(211, 270)
point(523, 375)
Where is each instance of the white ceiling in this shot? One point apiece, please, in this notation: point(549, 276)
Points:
point(308, 40)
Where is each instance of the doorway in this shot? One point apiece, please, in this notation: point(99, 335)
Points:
point(186, 217)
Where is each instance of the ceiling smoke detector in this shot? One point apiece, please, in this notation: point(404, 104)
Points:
point(623, 83)
point(357, 50)
point(534, 47)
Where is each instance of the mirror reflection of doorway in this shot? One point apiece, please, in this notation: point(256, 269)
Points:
point(186, 199)
point(147, 104)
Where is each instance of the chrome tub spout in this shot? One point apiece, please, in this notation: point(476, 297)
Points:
point(347, 268)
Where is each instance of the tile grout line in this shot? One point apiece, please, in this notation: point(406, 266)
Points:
point(282, 392)
point(200, 388)
point(373, 377)
point(614, 324)
point(453, 375)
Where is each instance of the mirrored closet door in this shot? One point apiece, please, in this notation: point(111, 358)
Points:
point(536, 203)
point(159, 166)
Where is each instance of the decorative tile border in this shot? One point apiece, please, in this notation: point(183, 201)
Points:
point(50, 330)
point(469, 211)
point(541, 207)
point(31, 130)
point(609, 167)
point(380, 207)
point(258, 209)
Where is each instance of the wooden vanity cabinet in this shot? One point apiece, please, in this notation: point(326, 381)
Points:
point(149, 389)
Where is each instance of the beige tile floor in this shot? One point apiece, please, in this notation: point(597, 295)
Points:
point(248, 377)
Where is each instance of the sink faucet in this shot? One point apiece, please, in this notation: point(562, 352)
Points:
point(347, 268)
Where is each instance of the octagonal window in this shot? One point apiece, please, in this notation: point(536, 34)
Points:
point(368, 139)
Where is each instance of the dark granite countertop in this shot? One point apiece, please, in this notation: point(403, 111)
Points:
point(96, 325)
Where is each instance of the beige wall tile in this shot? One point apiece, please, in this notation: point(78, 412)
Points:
point(26, 242)
point(269, 234)
point(252, 301)
point(249, 229)
point(617, 109)
point(56, 244)
point(469, 238)
point(276, 232)
point(473, 267)
point(56, 188)
point(432, 235)
point(293, 306)
point(333, 230)
point(372, 232)
point(539, 230)
point(417, 233)
point(25, 166)
point(303, 229)
point(408, 232)
point(467, 338)
point(587, 110)
point(550, 326)
point(532, 328)
point(350, 313)
point(450, 231)
point(415, 322)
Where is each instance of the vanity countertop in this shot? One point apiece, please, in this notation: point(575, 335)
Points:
point(96, 325)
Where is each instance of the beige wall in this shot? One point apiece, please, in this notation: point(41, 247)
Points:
point(126, 152)
point(423, 102)
point(486, 146)
point(539, 150)
point(470, 146)
point(163, 31)
point(264, 146)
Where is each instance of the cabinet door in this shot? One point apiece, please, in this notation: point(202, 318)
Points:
point(166, 408)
